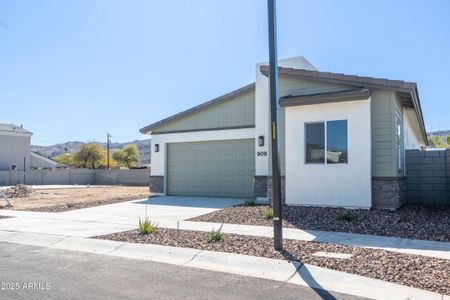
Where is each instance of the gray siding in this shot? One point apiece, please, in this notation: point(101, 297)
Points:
point(239, 111)
point(386, 112)
point(383, 130)
point(13, 149)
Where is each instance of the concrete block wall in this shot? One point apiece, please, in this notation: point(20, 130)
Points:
point(76, 176)
point(428, 177)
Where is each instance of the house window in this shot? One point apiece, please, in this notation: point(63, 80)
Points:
point(332, 136)
point(315, 142)
point(13, 167)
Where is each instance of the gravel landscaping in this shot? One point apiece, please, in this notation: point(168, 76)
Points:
point(415, 222)
point(412, 270)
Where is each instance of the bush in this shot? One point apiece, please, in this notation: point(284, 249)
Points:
point(147, 227)
point(249, 202)
point(269, 214)
point(346, 216)
point(216, 235)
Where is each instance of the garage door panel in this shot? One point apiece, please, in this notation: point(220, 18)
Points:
point(215, 168)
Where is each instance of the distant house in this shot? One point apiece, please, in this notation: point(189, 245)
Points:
point(15, 150)
point(342, 139)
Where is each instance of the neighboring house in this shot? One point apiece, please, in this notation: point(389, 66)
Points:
point(15, 153)
point(342, 140)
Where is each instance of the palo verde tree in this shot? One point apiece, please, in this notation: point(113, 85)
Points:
point(128, 156)
point(90, 156)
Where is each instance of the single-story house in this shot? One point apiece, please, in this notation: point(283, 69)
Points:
point(342, 139)
point(15, 150)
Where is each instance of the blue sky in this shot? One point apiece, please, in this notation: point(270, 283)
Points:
point(74, 70)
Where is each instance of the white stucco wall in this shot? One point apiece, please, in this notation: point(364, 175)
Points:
point(158, 158)
point(344, 185)
point(412, 136)
point(14, 148)
point(262, 112)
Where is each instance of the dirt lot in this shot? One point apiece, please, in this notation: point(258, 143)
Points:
point(57, 200)
point(415, 222)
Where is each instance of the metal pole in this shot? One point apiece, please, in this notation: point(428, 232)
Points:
point(24, 170)
point(274, 123)
point(107, 149)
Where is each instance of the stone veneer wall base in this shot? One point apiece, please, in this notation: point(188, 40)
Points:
point(388, 192)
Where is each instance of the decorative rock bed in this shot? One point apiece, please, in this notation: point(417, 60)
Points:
point(415, 222)
point(412, 270)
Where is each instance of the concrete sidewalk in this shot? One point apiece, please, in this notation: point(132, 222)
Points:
point(401, 245)
point(171, 211)
point(273, 269)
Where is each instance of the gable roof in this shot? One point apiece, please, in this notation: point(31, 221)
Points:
point(13, 129)
point(229, 96)
point(44, 158)
point(408, 90)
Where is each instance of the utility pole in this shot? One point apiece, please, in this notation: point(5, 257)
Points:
point(274, 123)
point(108, 141)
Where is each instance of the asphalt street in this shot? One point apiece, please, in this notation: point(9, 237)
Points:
point(28, 272)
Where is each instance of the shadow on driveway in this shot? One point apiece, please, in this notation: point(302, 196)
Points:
point(201, 202)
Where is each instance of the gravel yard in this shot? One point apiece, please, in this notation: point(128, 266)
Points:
point(415, 222)
point(59, 200)
point(412, 270)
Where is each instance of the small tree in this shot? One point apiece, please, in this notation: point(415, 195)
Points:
point(66, 159)
point(90, 156)
point(129, 155)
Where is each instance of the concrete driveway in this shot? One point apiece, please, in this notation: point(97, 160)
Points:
point(111, 218)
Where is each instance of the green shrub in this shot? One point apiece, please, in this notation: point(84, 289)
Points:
point(216, 235)
point(249, 202)
point(346, 216)
point(147, 227)
point(269, 214)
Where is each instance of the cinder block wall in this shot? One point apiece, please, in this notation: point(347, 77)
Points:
point(76, 176)
point(428, 177)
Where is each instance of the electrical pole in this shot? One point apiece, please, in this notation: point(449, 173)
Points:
point(274, 123)
point(108, 136)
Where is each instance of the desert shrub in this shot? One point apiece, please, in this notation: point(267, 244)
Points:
point(249, 202)
point(346, 216)
point(147, 226)
point(216, 235)
point(269, 214)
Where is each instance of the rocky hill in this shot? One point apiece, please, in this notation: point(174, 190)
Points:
point(439, 133)
point(144, 147)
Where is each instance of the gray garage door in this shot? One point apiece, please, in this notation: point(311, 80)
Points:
point(214, 169)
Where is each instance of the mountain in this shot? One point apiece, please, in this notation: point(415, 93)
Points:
point(144, 147)
point(439, 133)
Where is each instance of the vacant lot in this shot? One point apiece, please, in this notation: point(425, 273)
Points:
point(57, 200)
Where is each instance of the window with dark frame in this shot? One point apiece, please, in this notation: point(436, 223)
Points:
point(315, 142)
point(333, 137)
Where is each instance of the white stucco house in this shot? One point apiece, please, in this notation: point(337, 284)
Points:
point(15, 150)
point(342, 137)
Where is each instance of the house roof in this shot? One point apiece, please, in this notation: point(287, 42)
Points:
point(408, 90)
point(148, 129)
point(12, 129)
point(45, 158)
point(329, 97)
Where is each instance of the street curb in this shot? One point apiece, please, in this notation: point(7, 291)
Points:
point(267, 268)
